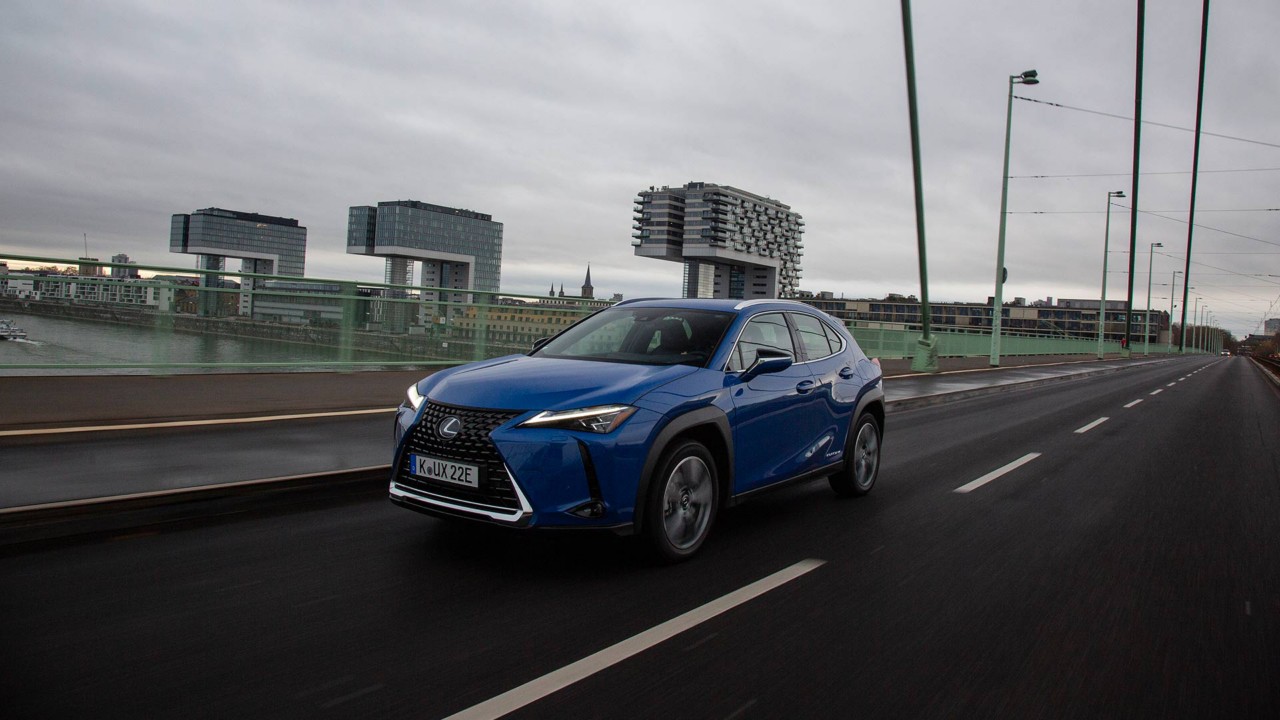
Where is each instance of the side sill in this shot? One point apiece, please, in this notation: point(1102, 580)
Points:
point(821, 472)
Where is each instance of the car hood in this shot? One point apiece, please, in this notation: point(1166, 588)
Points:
point(535, 383)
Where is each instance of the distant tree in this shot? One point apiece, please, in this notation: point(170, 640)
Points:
point(1269, 348)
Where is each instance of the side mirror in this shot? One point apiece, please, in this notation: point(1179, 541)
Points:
point(768, 360)
point(537, 344)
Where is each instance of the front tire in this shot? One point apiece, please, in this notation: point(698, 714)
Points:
point(861, 459)
point(682, 503)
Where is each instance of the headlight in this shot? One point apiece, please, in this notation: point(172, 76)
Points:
point(601, 419)
point(414, 397)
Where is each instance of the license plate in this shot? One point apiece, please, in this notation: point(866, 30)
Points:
point(445, 470)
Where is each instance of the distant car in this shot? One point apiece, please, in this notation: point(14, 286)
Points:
point(1225, 352)
point(649, 416)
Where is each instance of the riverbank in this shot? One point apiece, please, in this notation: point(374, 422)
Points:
point(346, 345)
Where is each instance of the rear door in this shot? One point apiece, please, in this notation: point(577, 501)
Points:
point(777, 416)
point(839, 383)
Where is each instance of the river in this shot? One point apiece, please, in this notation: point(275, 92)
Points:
point(54, 343)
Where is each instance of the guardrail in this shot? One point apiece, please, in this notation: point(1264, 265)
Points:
point(1271, 365)
point(261, 322)
point(177, 320)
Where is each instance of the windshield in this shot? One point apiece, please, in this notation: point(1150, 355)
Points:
point(647, 336)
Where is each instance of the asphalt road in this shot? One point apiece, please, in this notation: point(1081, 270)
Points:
point(45, 469)
point(1130, 570)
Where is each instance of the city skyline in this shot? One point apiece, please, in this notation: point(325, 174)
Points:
point(550, 116)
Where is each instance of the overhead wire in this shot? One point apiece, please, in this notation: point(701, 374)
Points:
point(1125, 174)
point(1147, 122)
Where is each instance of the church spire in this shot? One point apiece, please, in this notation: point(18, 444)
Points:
point(587, 290)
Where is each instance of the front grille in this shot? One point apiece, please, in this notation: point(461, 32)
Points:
point(472, 446)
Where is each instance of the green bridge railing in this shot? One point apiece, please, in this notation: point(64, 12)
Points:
point(177, 320)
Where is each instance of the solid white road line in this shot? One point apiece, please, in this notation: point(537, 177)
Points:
point(997, 473)
point(534, 690)
point(1157, 391)
point(1091, 425)
point(1135, 402)
point(191, 423)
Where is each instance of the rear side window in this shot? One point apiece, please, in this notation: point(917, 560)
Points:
point(813, 336)
point(833, 338)
point(762, 331)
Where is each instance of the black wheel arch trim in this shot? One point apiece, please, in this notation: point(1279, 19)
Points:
point(872, 396)
point(709, 416)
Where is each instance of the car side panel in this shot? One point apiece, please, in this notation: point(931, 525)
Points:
point(839, 400)
point(777, 427)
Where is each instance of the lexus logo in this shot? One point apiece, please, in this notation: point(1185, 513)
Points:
point(449, 428)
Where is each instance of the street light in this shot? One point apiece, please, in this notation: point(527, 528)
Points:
point(1195, 309)
point(1172, 284)
point(1106, 250)
point(1030, 77)
point(1204, 330)
point(1200, 323)
point(1146, 332)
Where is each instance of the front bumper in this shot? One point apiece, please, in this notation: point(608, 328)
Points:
point(533, 477)
point(422, 500)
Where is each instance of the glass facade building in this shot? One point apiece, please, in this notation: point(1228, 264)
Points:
point(274, 245)
point(734, 244)
point(264, 244)
point(458, 249)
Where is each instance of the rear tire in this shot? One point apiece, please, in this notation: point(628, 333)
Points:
point(683, 499)
point(861, 459)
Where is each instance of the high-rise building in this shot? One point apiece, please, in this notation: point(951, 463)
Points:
point(733, 243)
point(264, 244)
point(120, 266)
point(458, 249)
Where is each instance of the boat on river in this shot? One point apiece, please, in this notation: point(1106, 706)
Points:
point(9, 331)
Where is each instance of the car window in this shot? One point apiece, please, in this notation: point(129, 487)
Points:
point(834, 339)
point(648, 336)
point(608, 337)
point(762, 331)
point(813, 336)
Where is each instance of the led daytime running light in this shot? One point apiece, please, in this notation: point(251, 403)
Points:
point(600, 420)
point(415, 398)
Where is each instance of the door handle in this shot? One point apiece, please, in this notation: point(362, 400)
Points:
point(806, 386)
point(846, 372)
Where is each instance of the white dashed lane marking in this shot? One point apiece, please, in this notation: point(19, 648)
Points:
point(534, 690)
point(967, 487)
point(1091, 425)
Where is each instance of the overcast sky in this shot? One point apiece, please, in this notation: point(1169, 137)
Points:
point(550, 116)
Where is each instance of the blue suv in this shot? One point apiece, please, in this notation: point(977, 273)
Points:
point(648, 416)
